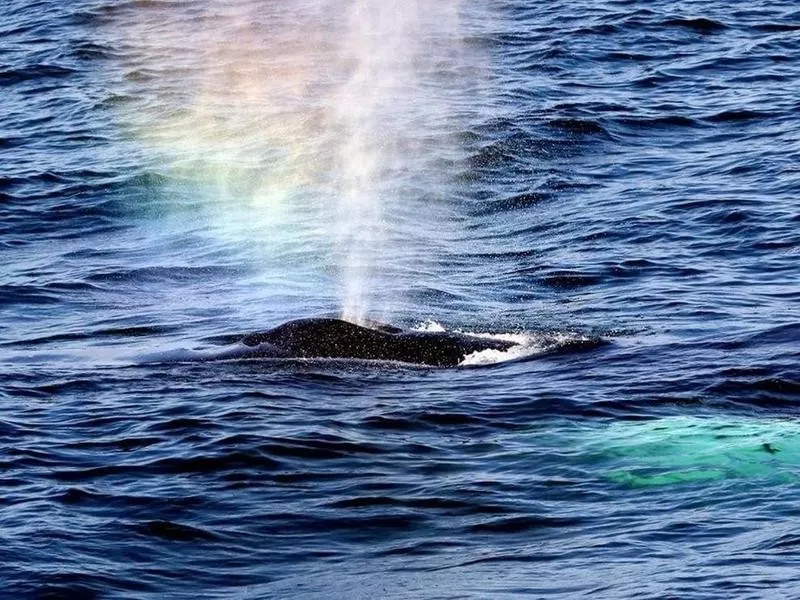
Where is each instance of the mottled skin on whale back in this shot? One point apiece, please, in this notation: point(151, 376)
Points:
point(334, 338)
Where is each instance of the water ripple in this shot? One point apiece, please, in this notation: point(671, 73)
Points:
point(616, 181)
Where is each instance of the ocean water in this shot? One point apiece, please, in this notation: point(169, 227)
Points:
point(175, 174)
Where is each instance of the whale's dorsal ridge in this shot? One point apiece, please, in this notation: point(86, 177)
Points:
point(384, 327)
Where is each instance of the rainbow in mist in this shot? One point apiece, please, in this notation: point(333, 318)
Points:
point(303, 119)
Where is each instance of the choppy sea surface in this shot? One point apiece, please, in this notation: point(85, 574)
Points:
point(176, 174)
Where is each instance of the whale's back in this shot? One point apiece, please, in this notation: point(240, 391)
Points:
point(334, 338)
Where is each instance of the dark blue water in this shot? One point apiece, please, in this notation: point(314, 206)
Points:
point(171, 177)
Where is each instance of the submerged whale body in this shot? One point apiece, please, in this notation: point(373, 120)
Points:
point(334, 338)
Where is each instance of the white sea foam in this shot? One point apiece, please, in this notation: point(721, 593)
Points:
point(429, 325)
point(525, 343)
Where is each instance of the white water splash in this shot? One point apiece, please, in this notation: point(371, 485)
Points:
point(525, 343)
point(429, 325)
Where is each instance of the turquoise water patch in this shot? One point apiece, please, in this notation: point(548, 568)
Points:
point(676, 450)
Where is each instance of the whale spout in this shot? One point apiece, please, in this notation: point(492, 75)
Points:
point(334, 338)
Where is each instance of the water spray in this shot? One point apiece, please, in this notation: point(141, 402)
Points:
point(302, 119)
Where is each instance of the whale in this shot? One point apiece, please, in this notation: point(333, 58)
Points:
point(328, 338)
